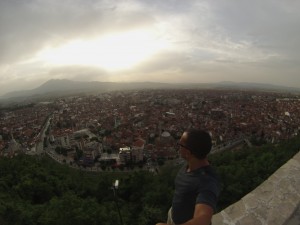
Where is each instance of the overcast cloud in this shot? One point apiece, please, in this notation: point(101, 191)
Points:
point(205, 41)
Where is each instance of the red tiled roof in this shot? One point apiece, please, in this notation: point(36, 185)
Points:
point(139, 143)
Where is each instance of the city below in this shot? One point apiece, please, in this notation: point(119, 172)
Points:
point(123, 129)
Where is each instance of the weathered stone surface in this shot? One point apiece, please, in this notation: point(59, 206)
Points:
point(261, 213)
point(236, 210)
point(295, 218)
point(250, 201)
point(272, 203)
point(218, 219)
point(278, 215)
point(297, 157)
point(250, 219)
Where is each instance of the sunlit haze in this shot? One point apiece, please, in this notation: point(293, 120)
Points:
point(111, 52)
point(160, 41)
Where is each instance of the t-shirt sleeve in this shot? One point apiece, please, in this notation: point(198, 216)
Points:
point(208, 198)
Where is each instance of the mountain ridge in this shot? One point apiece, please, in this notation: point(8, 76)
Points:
point(69, 86)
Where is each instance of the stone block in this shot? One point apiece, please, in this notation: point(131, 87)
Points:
point(272, 203)
point(297, 157)
point(250, 201)
point(236, 210)
point(218, 219)
point(280, 214)
point(250, 220)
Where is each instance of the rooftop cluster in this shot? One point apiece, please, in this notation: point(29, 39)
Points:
point(151, 121)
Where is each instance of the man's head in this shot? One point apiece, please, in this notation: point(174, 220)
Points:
point(198, 142)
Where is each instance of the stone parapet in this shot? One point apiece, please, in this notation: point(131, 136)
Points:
point(272, 203)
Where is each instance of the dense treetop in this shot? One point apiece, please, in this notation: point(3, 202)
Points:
point(36, 190)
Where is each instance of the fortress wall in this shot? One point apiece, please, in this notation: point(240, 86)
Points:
point(272, 203)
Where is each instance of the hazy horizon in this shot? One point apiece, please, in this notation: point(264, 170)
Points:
point(153, 41)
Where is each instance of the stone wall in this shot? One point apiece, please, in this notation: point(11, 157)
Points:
point(274, 202)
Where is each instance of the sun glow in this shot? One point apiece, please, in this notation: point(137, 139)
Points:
point(112, 52)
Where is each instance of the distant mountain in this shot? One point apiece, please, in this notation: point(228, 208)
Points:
point(63, 86)
point(254, 86)
point(56, 87)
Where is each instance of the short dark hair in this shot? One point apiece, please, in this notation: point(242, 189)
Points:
point(198, 142)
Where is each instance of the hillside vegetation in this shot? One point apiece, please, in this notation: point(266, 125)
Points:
point(36, 190)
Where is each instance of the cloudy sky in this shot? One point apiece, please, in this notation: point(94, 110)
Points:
point(149, 40)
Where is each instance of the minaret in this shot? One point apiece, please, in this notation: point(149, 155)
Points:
point(13, 145)
point(117, 122)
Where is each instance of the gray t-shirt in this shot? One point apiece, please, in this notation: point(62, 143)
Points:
point(191, 188)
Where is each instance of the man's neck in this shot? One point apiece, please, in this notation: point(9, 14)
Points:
point(195, 163)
